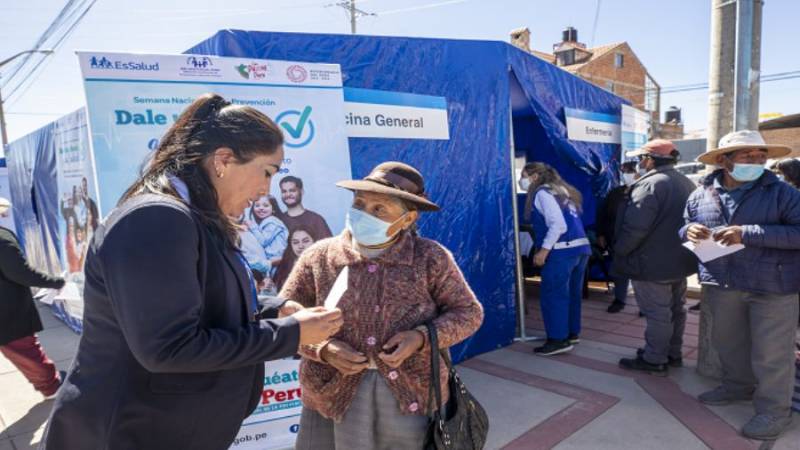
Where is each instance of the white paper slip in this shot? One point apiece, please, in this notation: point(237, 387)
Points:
point(709, 249)
point(337, 291)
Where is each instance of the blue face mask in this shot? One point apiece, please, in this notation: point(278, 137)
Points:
point(367, 229)
point(747, 172)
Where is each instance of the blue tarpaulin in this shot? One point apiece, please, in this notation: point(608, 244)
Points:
point(470, 175)
point(491, 88)
point(34, 196)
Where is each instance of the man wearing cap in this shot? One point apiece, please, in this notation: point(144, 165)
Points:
point(19, 319)
point(650, 253)
point(752, 293)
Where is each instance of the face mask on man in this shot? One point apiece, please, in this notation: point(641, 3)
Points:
point(524, 183)
point(628, 178)
point(367, 229)
point(746, 172)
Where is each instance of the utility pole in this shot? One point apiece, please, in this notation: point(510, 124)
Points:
point(735, 63)
point(3, 132)
point(355, 13)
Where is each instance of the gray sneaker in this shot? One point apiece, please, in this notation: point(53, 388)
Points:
point(721, 396)
point(765, 427)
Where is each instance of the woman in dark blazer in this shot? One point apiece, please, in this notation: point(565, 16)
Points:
point(173, 345)
point(19, 319)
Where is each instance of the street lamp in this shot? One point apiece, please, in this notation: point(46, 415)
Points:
point(2, 116)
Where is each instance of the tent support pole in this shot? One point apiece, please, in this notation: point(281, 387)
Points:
point(522, 335)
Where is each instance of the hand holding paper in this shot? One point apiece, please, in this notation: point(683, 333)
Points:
point(709, 250)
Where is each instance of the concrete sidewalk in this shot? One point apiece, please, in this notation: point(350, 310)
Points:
point(577, 401)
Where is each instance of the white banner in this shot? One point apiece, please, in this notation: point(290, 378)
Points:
point(592, 127)
point(635, 129)
point(78, 213)
point(371, 113)
point(133, 99)
point(276, 420)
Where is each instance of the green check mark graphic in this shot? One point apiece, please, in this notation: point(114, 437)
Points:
point(296, 131)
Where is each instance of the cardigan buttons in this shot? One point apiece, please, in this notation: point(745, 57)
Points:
point(393, 375)
point(377, 309)
point(413, 407)
point(372, 268)
point(371, 341)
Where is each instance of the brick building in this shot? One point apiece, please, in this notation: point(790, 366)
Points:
point(613, 67)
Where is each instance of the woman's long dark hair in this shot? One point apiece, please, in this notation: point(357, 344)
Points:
point(549, 177)
point(289, 259)
point(209, 123)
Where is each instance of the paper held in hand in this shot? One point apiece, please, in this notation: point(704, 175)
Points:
point(339, 286)
point(709, 249)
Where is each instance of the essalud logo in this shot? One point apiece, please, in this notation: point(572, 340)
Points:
point(105, 63)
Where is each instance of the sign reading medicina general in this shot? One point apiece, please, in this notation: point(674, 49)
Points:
point(133, 99)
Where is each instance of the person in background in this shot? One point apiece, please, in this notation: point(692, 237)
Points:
point(752, 293)
point(299, 240)
point(19, 318)
point(369, 386)
point(297, 216)
point(789, 171)
point(562, 251)
point(606, 221)
point(94, 216)
point(173, 346)
point(268, 229)
point(649, 252)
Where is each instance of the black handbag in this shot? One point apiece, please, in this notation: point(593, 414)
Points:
point(462, 424)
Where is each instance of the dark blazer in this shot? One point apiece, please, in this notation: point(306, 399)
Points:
point(18, 315)
point(647, 246)
point(170, 356)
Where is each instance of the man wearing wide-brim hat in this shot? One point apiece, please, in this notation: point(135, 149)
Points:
point(752, 293)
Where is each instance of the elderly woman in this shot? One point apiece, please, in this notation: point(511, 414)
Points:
point(172, 353)
point(367, 388)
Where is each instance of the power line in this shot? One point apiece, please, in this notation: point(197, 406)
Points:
point(596, 19)
point(32, 75)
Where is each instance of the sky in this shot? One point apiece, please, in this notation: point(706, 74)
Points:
point(671, 38)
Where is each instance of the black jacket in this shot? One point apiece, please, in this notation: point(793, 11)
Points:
point(608, 211)
point(170, 357)
point(648, 247)
point(18, 315)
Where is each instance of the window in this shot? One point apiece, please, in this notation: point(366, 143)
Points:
point(619, 60)
point(566, 58)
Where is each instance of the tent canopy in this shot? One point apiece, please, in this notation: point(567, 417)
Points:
point(471, 174)
point(493, 91)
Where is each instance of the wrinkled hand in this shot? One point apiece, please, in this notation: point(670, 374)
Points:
point(697, 232)
point(289, 308)
point(343, 357)
point(540, 257)
point(729, 235)
point(400, 347)
point(318, 324)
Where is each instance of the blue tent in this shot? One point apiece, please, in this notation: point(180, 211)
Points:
point(502, 103)
point(489, 86)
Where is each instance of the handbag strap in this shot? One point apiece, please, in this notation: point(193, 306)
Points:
point(435, 382)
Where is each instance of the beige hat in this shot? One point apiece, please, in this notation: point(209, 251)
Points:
point(5, 205)
point(742, 139)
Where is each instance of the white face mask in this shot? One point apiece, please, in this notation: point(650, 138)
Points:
point(628, 178)
point(524, 184)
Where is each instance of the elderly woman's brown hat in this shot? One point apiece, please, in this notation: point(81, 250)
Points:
point(395, 179)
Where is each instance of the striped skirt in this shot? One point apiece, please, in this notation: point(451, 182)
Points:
point(373, 422)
